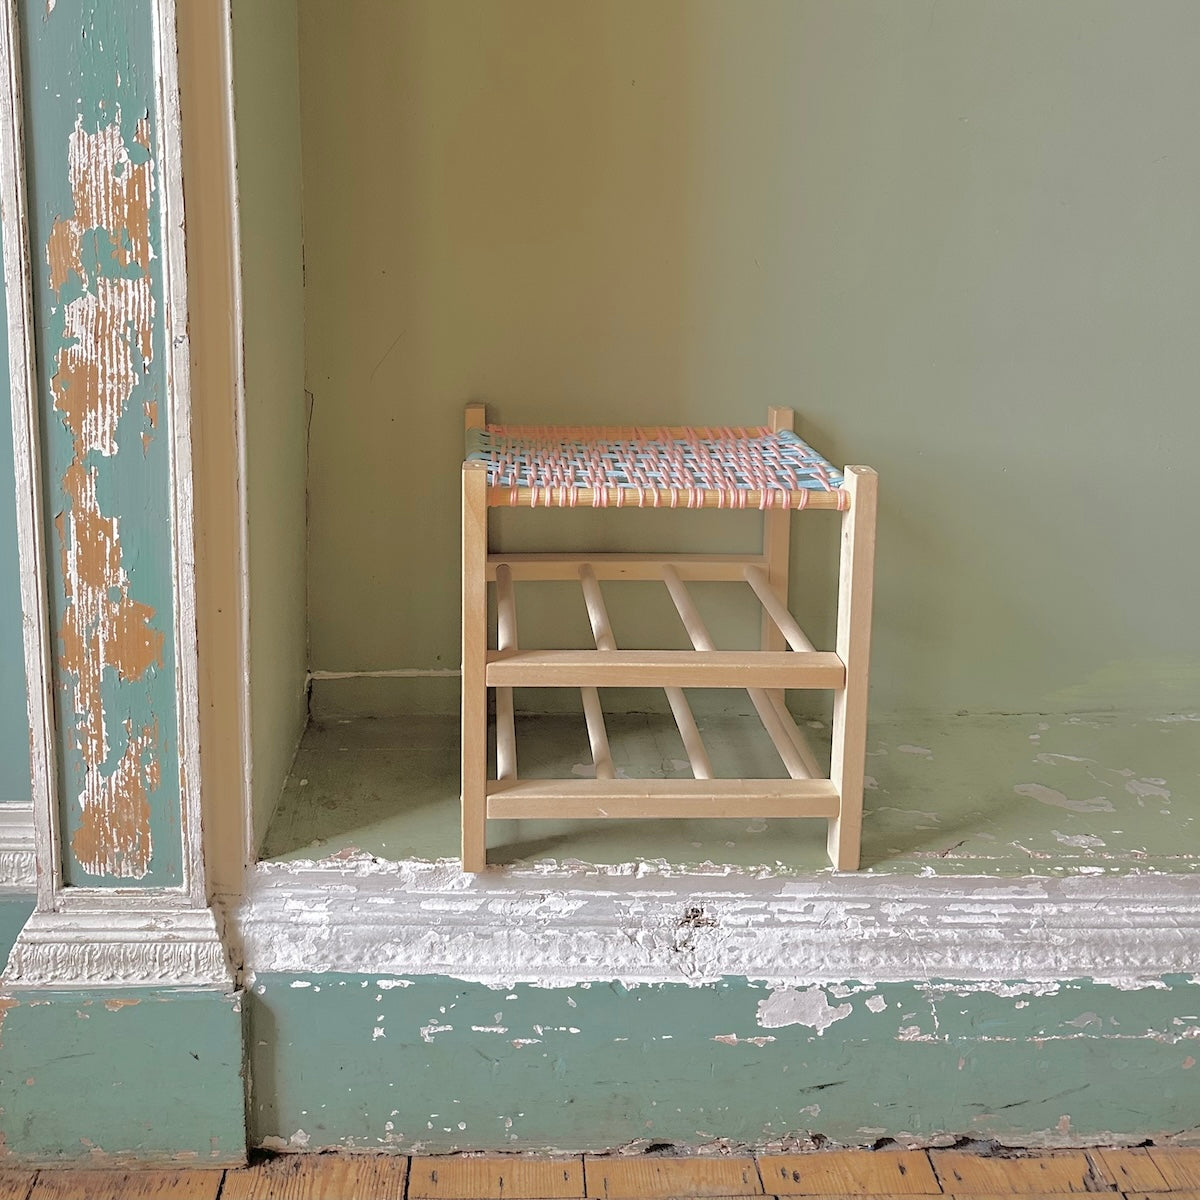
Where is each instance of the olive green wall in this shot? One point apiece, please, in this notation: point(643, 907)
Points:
point(266, 87)
point(958, 238)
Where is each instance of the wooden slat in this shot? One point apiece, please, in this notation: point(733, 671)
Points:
point(606, 641)
point(714, 567)
point(593, 713)
point(663, 798)
point(505, 497)
point(1129, 1170)
point(855, 593)
point(1180, 1167)
point(597, 732)
point(961, 1173)
point(59, 1184)
point(654, 1178)
point(689, 734)
point(473, 749)
point(320, 1177)
point(495, 1178)
point(15, 1185)
point(787, 625)
point(593, 598)
point(777, 540)
point(506, 642)
point(796, 734)
point(665, 668)
point(848, 1173)
point(769, 705)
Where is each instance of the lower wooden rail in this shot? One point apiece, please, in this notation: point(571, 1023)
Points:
point(662, 798)
point(665, 668)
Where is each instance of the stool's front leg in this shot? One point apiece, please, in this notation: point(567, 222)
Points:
point(474, 666)
point(855, 584)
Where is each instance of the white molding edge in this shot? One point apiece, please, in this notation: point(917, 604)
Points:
point(558, 928)
point(31, 544)
point(177, 374)
point(18, 861)
point(152, 945)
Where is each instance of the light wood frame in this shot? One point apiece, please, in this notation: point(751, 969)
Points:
point(787, 659)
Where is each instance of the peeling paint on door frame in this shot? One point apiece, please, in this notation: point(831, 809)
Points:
point(162, 136)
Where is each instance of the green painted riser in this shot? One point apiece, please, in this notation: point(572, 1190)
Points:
point(434, 1064)
point(105, 1076)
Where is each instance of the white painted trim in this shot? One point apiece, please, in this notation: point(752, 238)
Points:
point(151, 945)
point(178, 377)
point(557, 928)
point(31, 546)
point(18, 862)
point(237, 318)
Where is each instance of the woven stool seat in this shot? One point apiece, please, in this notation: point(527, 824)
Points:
point(653, 466)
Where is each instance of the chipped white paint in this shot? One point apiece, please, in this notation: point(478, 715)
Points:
point(732, 1039)
point(811, 1007)
point(18, 867)
point(557, 926)
point(1049, 795)
point(148, 943)
point(1081, 841)
point(876, 1004)
point(1143, 788)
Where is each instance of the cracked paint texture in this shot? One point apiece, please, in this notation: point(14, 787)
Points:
point(601, 1065)
point(95, 228)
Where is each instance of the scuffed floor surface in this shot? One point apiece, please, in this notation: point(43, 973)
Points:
point(1153, 1171)
point(995, 795)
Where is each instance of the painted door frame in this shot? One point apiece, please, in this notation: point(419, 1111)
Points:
point(88, 935)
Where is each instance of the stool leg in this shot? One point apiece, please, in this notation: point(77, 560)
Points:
point(474, 665)
point(777, 539)
point(855, 584)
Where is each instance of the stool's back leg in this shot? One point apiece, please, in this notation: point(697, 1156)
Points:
point(474, 666)
point(777, 537)
point(855, 585)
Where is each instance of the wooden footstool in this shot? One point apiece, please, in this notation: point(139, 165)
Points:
point(768, 468)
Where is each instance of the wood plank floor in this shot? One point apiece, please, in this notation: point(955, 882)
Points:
point(1152, 1173)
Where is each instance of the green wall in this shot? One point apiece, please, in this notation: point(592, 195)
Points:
point(266, 86)
point(958, 238)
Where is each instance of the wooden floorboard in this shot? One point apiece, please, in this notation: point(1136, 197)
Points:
point(1180, 1168)
point(1131, 1174)
point(970, 1174)
point(126, 1185)
point(320, 1177)
point(849, 1173)
point(15, 1185)
point(495, 1178)
point(659, 1178)
point(1129, 1170)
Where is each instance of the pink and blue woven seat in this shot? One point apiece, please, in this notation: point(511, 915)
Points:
point(650, 466)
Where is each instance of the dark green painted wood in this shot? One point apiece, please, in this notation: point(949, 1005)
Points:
point(435, 1064)
point(89, 64)
point(107, 1075)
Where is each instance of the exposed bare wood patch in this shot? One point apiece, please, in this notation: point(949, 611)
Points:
point(107, 346)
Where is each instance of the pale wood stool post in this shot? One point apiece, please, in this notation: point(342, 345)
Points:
point(777, 541)
point(473, 748)
point(855, 586)
point(768, 468)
